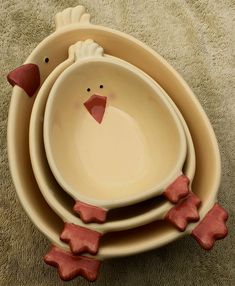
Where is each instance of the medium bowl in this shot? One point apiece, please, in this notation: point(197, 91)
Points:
point(62, 203)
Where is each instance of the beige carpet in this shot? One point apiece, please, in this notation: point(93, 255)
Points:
point(197, 38)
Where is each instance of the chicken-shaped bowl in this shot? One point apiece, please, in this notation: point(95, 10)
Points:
point(111, 136)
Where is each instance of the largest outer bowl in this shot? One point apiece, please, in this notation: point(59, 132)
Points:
point(207, 177)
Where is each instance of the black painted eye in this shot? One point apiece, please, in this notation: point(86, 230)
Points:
point(88, 89)
point(101, 86)
point(46, 60)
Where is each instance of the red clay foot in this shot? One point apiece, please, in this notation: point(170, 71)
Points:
point(80, 239)
point(89, 213)
point(184, 212)
point(178, 189)
point(70, 266)
point(96, 105)
point(27, 77)
point(212, 227)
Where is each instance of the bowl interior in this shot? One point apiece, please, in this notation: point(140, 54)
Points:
point(138, 145)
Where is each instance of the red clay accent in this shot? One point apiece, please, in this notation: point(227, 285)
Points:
point(81, 239)
point(212, 227)
point(96, 105)
point(184, 212)
point(27, 77)
point(89, 213)
point(178, 189)
point(70, 266)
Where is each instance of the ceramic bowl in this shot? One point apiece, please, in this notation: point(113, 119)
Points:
point(61, 203)
point(207, 176)
point(111, 137)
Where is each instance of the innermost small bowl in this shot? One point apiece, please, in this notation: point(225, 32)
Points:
point(128, 144)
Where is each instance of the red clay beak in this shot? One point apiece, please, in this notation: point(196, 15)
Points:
point(27, 77)
point(96, 105)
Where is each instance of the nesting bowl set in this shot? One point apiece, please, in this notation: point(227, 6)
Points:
point(110, 152)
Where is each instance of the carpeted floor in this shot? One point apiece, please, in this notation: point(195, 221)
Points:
point(197, 38)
